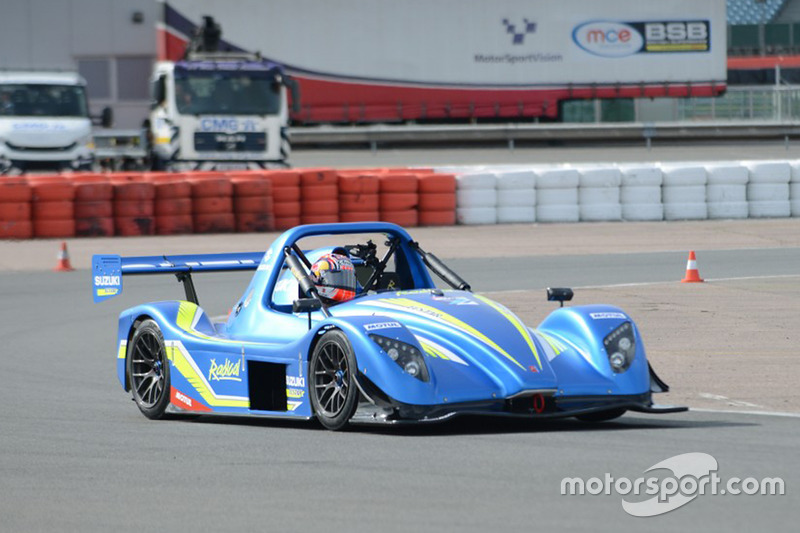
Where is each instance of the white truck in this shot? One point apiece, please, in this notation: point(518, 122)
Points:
point(44, 122)
point(218, 109)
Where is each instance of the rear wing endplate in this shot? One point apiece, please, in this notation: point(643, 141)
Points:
point(108, 270)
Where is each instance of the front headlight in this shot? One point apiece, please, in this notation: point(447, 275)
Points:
point(407, 356)
point(620, 347)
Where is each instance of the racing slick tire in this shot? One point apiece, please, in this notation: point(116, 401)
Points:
point(148, 370)
point(332, 387)
point(602, 416)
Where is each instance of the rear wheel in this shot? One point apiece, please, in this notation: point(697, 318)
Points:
point(334, 396)
point(602, 416)
point(148, 370)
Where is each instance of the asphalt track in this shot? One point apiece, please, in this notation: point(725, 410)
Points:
point(76, 455)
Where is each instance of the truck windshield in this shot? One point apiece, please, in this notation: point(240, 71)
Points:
point(38, 100)
point(224, 92)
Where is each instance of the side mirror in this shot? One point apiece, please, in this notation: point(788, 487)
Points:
point(306, 305)
point(107, 117)
point(559, 294)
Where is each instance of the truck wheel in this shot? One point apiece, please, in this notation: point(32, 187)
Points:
point(148, 369)
point(333, 392)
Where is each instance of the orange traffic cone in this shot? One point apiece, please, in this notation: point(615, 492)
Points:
point(63, 260)
point(692, 274)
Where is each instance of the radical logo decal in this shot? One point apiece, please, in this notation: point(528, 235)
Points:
point(607, 315)
point(519, 31)
point(227, 371)
point(621, 39)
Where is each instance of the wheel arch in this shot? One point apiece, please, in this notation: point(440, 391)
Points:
point(128, 338)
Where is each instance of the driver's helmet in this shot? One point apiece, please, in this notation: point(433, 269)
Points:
point(334, 277)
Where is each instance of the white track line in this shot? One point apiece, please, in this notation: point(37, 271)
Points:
point(645, 283)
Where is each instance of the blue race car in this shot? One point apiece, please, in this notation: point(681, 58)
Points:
point(401, 350)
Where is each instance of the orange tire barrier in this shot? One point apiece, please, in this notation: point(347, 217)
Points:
point(174, 224)
point(211, 187)
point(399, 198)
point(319, 192)
point(286, 194)
point(172, 207)
point(358, 183)
point(398, 183)
point(15, 190)
point(94, 226)
point(437, 183)
point(359, 216)
point(94, 207)
point(53, 229)
point(399, 201)
point(286, 210)
point(52, 210)
point(56, 210)
point(15, 208)
point(16, 229)
point(212, 205)
point(220, 205)
point(358, 203)
point(15, 211)
point(407, 218)
point(214, 223)
point(133, 208)
point(286, 197)
point(320, 219)
point(437, 199)
point(437, 218)
point(173, 204)
point(282, 223)
point(254, 222)
point(253, 205)
point(133, 205)
point(134, 226)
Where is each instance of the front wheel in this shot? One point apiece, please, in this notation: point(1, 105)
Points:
point(148, 370)
point(334, 396)
point(602, 416)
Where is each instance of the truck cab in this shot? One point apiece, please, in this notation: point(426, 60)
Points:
point(44, 122)
point(218, 110)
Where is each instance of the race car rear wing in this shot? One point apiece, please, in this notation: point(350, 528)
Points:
point(108, 270)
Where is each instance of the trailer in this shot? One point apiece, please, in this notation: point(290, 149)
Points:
point(360, 61)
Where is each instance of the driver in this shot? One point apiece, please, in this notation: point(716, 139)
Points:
point(335, 277)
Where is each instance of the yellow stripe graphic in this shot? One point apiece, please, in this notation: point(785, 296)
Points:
point(555, 344)
point(123, 349)
point(182, 363)
point(406, 304)
point(517, 324)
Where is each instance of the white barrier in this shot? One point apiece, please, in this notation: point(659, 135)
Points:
point(794, 190)
point(684, 192)
point(516, 196)
point(476, 198)
point(726, 191)
point(640, 192)
point(557, 195)
point(632, 191)
point(768, 189)
point(598, 194)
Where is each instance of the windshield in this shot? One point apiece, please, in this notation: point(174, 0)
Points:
point(227, 92)
point(36, 100)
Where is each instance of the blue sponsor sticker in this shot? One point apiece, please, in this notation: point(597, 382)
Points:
point(106, 277)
